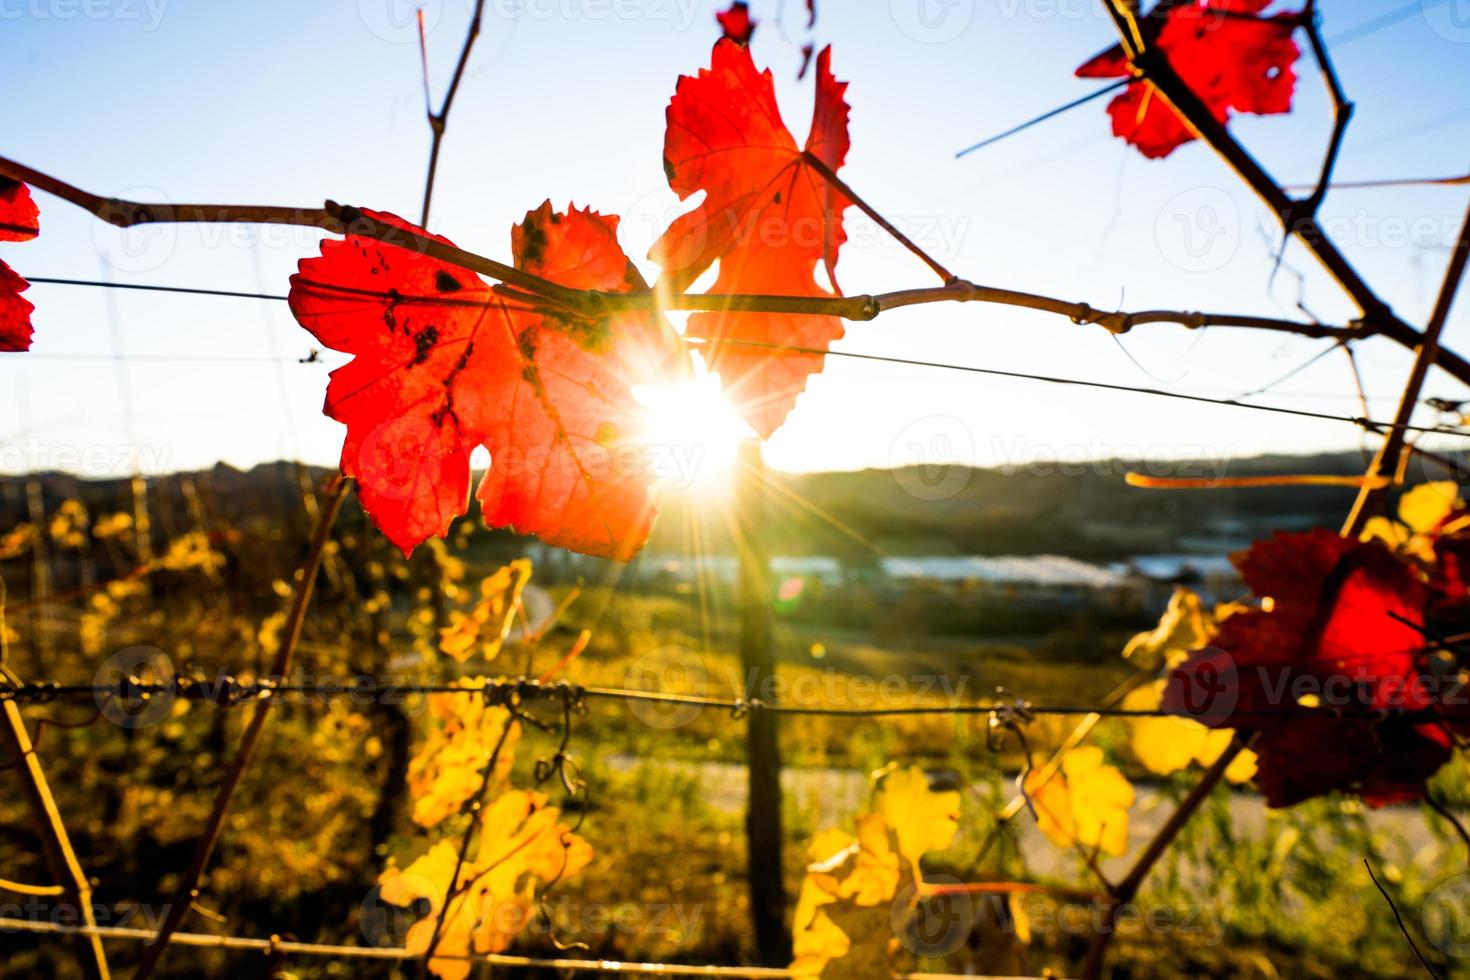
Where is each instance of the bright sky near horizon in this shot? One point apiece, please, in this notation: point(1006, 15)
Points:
point(281, 102)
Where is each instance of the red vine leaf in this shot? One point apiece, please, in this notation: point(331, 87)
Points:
point(1225, 51)
point(768, 217)
point(1317, 669)
point(444, 363)
point(19, 222)
point(736, 22)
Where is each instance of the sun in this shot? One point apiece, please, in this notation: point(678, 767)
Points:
point(693, 432)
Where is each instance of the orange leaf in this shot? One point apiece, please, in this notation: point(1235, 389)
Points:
point(768, 217)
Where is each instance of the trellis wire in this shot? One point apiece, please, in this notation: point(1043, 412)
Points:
point(285, 947)
point(1367, 424)
point(226, 691)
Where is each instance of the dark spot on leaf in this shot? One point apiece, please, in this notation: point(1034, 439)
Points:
point(533, 243)
point(669, 169)
point(424, 342)
point(446, 283)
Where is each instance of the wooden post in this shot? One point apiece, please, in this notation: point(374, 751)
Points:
point(763, 752)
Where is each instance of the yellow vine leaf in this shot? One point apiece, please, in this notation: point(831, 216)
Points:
point(1088, 804)
point(112, 526)
point(449, 766)
point(188, 552)
point(1185, 626)
point(523, 847)
point(485, 627)
point(1422, 509)
point(68, 525)
point(1167, 745)
point(846, 916)
point(17, 541)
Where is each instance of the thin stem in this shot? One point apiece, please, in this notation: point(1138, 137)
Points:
point(188, 889)
point(439, 121)
point(1125, 891)
point(1400, 920)
point(830, 176)
point(1152, 64)
point(477, 803)
point(1390, 458)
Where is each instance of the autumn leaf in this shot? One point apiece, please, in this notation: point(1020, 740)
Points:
point(1336, 630)
point(19, 222)
point(1423, 513)
point(443, 363)
point(846, 916)
point(485, 627)
point(1166, 745)
point(449, 766)
point(1184, 626)
point(768, 217)
point(523, 847)
point(1229, 55)
point(736, 22)
point(1086, 803)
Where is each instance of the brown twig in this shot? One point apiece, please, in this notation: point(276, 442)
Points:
point(1125, 891)
point(474, 806)
point(439, 121)
point(830, 176)
point(1391, 457)
point(188, 889)
point(1152, 64)
point(347, 220)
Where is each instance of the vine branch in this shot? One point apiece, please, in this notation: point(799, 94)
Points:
point(439, 121)
point(1391, 457)
point(347, 220)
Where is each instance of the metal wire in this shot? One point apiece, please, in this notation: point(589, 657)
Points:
point(1367, 424)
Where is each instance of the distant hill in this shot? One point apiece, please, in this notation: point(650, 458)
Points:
point(1080, 509)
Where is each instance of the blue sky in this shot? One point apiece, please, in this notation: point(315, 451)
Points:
point(291, 103)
